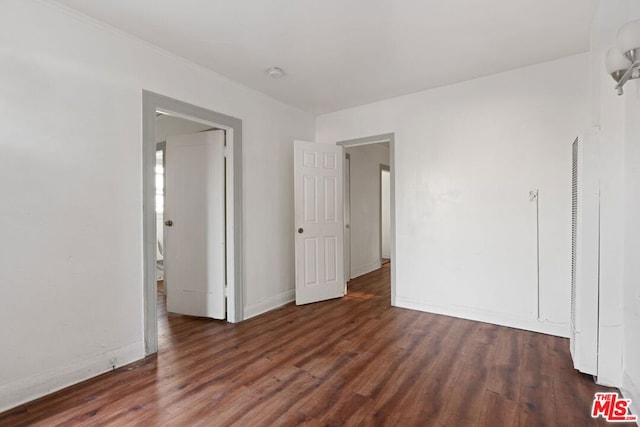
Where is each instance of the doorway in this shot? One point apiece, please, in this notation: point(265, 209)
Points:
point(385, 214)
point(369, 234)
point(190, 209)
point(154, 105)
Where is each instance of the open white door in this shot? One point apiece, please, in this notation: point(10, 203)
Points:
point(194, 258)
point(319, 221)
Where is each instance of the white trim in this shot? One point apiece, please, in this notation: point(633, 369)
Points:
point(364, 269)
point(278, 300)
point(34, 387)
point(631, 391)
point(487, 316)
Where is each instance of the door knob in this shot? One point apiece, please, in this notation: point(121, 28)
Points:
point(300, 230)
point(168, 223)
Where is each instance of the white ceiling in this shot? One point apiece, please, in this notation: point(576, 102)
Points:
point(342, 53)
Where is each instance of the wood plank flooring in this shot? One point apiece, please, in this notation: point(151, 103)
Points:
point(352, 361)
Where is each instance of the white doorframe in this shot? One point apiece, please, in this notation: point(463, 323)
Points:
point(377, 139)
point(152, 103)
point(347, 219)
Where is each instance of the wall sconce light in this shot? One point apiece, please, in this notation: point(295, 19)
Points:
point(623, 61)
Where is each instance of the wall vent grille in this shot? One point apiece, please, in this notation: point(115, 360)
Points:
point(574, 235)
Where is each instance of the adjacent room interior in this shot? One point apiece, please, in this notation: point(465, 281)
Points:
point(389, 213)
point(365, 230)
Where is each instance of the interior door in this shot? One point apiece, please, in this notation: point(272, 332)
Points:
point(319, 222)
point(195, 224)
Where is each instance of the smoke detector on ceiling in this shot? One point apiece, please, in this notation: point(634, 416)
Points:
point(275, 72)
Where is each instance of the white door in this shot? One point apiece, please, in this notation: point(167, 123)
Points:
point(195, 224)
point(318, 221)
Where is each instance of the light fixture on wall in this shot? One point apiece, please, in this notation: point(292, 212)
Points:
point(623, 61)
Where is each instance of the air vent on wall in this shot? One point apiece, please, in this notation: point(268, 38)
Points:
point(585, 241)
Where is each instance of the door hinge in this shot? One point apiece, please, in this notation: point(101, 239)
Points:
point(226, 291)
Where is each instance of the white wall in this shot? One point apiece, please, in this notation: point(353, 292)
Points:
point(365, 205)
point(386, 214)
point(631, 295)
point(71, 184)
point(466, 157)
point(617, 121)
point(608, 125)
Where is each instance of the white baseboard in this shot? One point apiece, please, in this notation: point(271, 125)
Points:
point(486, 316)
point(28, 389)
point(252, 310)
point(364, 269)
point(631, 391)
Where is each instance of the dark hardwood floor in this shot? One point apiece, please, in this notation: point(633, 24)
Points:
point(353, 361)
